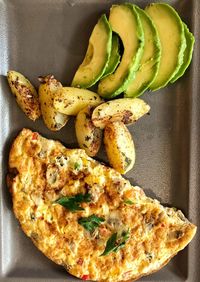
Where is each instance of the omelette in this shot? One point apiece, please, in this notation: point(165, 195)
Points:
point(86, 217)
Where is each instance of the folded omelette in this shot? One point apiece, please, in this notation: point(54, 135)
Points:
point(86, 217)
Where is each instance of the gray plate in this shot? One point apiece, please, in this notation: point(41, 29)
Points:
point(39, 37)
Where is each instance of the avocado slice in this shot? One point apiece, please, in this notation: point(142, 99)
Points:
point(190, 40)
point(97, 55)
point(125, 21)
point(150, 60)
point(114, 56)
point(171, 32)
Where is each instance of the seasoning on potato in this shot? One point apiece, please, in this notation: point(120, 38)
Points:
point(25, 94)
point(70, 100)
point(52, 118)
point(126, 110)
point(88, 136)
point(119, 146)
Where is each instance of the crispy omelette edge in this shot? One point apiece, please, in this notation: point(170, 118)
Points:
point(185, 240)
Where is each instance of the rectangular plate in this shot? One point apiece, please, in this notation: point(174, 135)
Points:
point(50, 36)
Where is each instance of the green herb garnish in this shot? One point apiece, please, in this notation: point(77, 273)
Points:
point(77, 166)
point(90, 223)
point(128, 202)
point(73, 203)
point(127, 160)
point(116, 242)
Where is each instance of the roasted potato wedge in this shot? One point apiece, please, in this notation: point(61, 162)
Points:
point(119, 146)
point(88, 136)
point(126, 110)
point(25, 94)
point(70, 100)
point(53, 119)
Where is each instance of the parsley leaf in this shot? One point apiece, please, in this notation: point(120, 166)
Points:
point(73, 203)
point(90, 223)
point(127, 160)
point(77, 166)
point(110, 245)
point(116, 242)
point(128, 202)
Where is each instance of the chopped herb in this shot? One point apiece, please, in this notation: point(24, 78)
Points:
point(116, 242)
point(149, 256)
point(32, 216)
point(99, 112)
point(128, 202)
point(73, 203)
point(77, 166)
point(127, 160)
point(90, 223)
point(87, 138)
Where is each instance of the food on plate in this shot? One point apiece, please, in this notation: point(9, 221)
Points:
point(52, 118)
point(154, 51)
point(119, 146)
point(150, 60)
point(173, 43)
point(114, 56)
point(71, 100)
point(86, 216)
point(125, 21)
point(187, 53)
point(127, 110)
point(25, 94)
point(157, 49)
point(88, 135)
point(97, 55)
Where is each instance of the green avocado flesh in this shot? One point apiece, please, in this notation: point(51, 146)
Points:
point(124, 21)
point(114, 56)
point(173, 43)
point(150, 60)
point(187, 54)
point(97, 55)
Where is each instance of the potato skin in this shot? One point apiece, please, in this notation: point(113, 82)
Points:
point(119, 146)
point(71, 100)
point(53, 120)
point(25, 94)
point(88, 136)
point(127, 110)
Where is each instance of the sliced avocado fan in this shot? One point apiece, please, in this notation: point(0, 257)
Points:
point(173, 43)
point(124, 21)
point(97, 55)
point(190, 40)
point(114, 56)
point(150, 61)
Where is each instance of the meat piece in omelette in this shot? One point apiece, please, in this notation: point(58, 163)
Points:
point(86, 216)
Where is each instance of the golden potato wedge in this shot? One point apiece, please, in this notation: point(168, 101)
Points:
point(126, 110)
point(119, 146)
point(53, 119)
point(88, 136)
point(70, 100)
point(25, 94)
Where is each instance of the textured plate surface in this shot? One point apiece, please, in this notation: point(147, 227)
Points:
point(39, 37)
